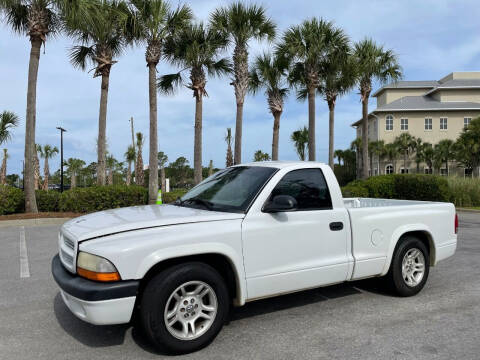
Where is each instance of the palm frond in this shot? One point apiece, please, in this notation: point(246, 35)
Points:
point(81, 55)
point(168, 84)
point(219, 68)
point(8, 120)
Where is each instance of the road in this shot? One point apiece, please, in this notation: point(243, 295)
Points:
point(352, 320)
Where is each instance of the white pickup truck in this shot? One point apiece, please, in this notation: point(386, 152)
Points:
point(247, 232)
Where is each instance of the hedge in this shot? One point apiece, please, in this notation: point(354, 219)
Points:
point(401, 186)
point(11, 200)
point(47, 201)
point(173, 195)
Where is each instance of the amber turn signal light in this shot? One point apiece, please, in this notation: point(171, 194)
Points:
point(96, 276)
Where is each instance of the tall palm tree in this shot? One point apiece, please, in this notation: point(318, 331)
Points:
point(372, 62)
point(196, 48)
point(153, 22)
point(228, 140)
point(242, 23)
point(338, 78)
point(130, 156)
point(446, 151)
point(162, 161)
point(405, 144)
point(307, 46)
point(3, 168)
point(38, 150)
point(300, 140)
point(269, 72)
point(74, 167)
point(139, 176)
point(47, 153)
point(101, 34)
point(38, 19)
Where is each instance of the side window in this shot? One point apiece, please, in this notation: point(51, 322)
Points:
point(308, 187)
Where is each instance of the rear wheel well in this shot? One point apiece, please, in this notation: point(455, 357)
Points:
point(219, 262)
point(426, 239)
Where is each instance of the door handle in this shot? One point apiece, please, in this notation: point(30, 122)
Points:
point(336, 226)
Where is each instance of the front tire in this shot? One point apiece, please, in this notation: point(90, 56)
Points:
point(409, 268)
point(183, 308)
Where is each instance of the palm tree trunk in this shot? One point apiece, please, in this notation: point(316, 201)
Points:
point(238, 134)
point(36, 172)
point(197, 147)
point(102, 129)
point(30, 148)
point(153, 158)
point(364, 137)
point(311, 124)
point(371, 164)
point(331, 133)
point(276, 132)
point(73, 181)
point(405, 162)
point(46, 174)
point(129, 173)
point(3, 169)
point(162, 180)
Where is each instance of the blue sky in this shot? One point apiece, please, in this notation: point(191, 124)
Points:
point(432, 38)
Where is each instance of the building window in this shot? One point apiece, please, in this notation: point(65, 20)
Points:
point(404, 124)
point(428, 170)
point(466, 122)
point(403, 171)
point(389, 123)
point(389, 169)
point(428, 123)
point(443, 172)
point(443, 123)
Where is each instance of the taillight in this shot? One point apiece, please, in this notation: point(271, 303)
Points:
point(456, 224)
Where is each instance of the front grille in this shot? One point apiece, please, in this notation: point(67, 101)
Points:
point(67, 258)
point(68, 251)
point(68, 242)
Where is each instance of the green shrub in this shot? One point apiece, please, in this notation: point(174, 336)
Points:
point(465, 192)
point(171, 196)
point(382, 186)
point(98, 198)
point(11, 200)
point(47, 201)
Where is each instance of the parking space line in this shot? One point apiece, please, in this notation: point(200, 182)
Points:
point(24, 268)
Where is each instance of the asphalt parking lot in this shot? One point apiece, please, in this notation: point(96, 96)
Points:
point(353, 320)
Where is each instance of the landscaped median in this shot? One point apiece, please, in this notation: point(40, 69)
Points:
point(80, 200)
point(463, 192)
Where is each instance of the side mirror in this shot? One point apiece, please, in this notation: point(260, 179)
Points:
point(280, 203)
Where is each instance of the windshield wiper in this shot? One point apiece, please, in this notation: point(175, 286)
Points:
point(195, 200)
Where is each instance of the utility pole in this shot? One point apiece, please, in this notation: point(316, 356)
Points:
point(62, 130)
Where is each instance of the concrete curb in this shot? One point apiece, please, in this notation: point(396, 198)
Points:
point(33, 222)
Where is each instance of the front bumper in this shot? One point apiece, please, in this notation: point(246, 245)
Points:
point(95, 302)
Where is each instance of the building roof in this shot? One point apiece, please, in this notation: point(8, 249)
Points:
point(422, 84)
point(423, 103)
point(456, 84)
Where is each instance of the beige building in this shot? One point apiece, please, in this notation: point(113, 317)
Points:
point(430, 110)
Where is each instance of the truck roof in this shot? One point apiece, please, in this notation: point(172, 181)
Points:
point(283, 164)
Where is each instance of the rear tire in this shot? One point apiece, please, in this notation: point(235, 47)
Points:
point(183, 308)
point(409, 268)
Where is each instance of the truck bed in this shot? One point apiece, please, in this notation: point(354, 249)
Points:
point(354, 203)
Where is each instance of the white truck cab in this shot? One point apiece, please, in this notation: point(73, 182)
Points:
point(247, 232)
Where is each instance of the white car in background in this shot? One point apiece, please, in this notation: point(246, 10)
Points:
point(247, 232)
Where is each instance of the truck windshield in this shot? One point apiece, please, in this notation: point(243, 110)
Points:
point(230, 190)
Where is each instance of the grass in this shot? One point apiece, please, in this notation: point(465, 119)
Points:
point(465, 192)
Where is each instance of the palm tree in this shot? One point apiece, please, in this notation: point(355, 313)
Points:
point(405, 143)
point(372, 62)
point(38, 20)
point(270, 72)
point(446, 151)
point(101, 32)
point(467, 147)
point(74, 166)
point(300, 140)
point(162, 161)
point(3, 169)
point(261, 156)
point(130, 155)
point(391, 153)
point(428, 155)
point(338, 78)
point(110, 163)
point(153, 22)
point(38, 149)
point(339, 154)
point(196, 48)
point(228, 140)
point(139, 176)
point(47, 153)
point(356, 147)
point(241, 23)
point(417, 146)
point(376, 148)
point(307, 46)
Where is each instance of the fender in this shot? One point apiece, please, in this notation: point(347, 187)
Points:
point(397, 234)
point(199, 249)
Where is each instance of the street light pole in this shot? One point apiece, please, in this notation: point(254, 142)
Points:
point(62, 130)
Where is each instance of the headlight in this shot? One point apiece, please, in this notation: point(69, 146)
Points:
point(96, 268)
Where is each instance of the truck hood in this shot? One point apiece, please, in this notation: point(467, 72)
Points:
point(138, 217)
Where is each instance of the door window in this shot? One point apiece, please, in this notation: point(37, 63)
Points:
point(307, 186)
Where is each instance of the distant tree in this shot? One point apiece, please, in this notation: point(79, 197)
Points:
point(261, 156)
point(339, 155)
point(38, 149)
point(47, 153)
point(139, 176)
point(3, 169)
point(180, 170)
point(210, 168)
point(445, 152)
point(13, 180)
point(405, 144)
point(417, 147)
point(428, 155)
point(375, 148)
point(130, 158)
point(162, 161)
point(110, 165)
point(8, 121)
point(228, 140)
point(391, 153)
point(372, 62)
point(74, 167)
point(467, 147)
point(300, 141)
